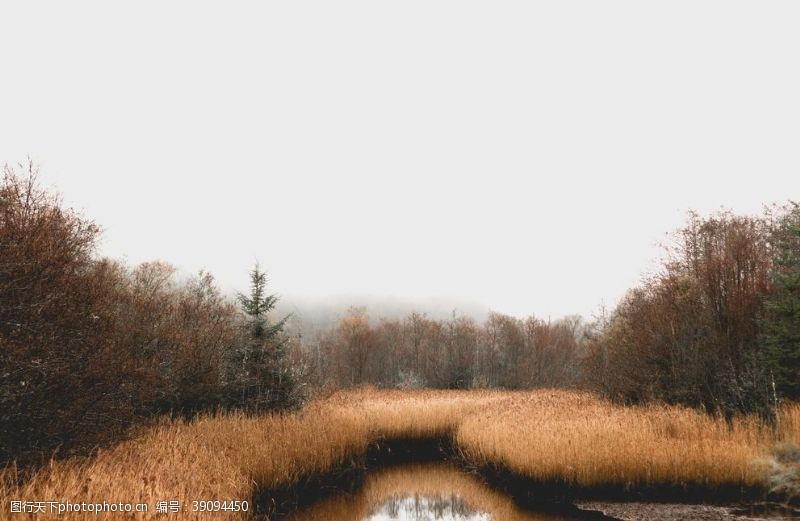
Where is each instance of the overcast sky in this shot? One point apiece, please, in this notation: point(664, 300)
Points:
point(525, 156)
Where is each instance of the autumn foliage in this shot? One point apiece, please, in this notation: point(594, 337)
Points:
point(458, 353)
point(90, 347)
point(694, 333)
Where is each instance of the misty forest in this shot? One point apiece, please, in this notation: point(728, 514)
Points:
point(131, 383)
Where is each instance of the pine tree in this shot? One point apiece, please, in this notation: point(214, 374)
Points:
point(263, 378)
point(782, 308)
point(257, 305)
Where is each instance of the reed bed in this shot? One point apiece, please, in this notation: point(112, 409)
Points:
point(789, 423)
point(580, 440)
point(212, 458)
point(574, 438)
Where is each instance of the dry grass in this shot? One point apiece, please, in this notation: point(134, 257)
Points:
point(790, 423)
point(573, 437)
point(581, 440)
point(212, 458)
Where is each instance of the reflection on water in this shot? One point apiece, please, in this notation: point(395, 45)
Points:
point(422, 492)
point(426, 508)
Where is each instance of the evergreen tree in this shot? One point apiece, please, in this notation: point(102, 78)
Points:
point(782, 308)
point(257, 305)
point(262, 376)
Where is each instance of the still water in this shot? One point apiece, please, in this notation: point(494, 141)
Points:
point(424, 508)
point(423, 492)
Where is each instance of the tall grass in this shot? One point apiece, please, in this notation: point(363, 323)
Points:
point(581, 440)
point(550, 435)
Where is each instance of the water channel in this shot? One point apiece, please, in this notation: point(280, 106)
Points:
point(440, 491)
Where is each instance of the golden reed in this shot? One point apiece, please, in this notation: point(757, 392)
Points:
point(570, 437)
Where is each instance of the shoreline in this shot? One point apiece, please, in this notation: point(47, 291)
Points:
point(589, 503)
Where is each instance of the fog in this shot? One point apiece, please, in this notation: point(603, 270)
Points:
point(311, 316)
point(521, 157)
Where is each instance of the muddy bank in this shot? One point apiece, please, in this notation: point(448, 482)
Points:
point(531, 491)
point(641, 511)
point(556, 499)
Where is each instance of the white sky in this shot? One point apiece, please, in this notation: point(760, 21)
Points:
point(527, 156)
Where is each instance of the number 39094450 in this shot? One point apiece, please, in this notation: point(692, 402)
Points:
point(220, 506)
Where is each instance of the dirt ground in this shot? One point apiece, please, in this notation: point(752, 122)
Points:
point(675, 511)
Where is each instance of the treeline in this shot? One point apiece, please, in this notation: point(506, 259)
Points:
point(89, 347)
point(717, 327)
point(449, 354)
